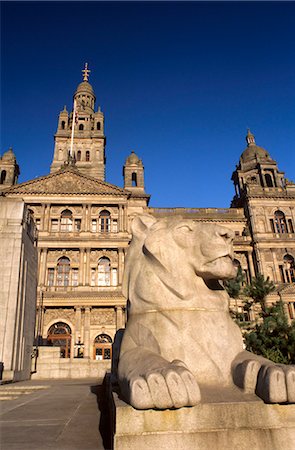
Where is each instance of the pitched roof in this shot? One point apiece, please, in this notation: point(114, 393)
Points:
point(67, 181)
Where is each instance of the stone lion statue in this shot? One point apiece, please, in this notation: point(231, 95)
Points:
point(179, 336)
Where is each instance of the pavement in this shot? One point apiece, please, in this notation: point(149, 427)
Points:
point(51, 414)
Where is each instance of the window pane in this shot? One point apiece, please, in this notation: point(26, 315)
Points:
point(75, 277)
point(50, 277)
point(54, 225)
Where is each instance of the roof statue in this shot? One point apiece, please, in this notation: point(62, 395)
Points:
point(86, 72)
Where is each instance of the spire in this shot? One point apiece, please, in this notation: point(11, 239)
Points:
point(250, 138)
point(86, 72)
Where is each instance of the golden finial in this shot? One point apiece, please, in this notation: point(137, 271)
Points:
point(86, 72)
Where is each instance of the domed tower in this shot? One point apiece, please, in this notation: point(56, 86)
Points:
point(9, 169)
point(268, 199)
point(256, 170)
point(133, 173)
point(86, 141)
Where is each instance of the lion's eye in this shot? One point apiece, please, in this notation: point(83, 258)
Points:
point(185, 228)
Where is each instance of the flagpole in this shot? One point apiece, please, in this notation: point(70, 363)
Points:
point(73, 129)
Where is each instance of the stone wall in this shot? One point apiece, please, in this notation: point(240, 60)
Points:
point(49, 365)
point(18, 280)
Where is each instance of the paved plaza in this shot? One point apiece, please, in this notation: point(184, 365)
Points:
point(51, 414)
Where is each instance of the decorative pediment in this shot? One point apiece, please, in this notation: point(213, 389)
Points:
point(66, 181)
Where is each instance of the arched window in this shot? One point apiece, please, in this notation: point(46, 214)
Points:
point(59, 335)
point(289, 268)
point(63, 125)
point(104, 272)
point(102, 347)
point(79, 155)
point(81, 127)
point(280, 222)
point(3, 176)
point(66, 221)
point(105, 221)
point(268, 180)
point(87, 155)
point(63, 272)
point(98, 126)
point(134, 179)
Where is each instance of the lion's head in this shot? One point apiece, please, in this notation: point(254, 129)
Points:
point(181, 248)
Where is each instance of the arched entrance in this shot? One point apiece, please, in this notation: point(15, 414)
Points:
point(59, 335)
point(102, 348)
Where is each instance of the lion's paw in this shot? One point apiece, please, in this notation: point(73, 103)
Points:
point(172, 386)
point(276, 384)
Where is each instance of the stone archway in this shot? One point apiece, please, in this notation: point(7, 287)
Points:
point(60, 335)
point(102, 348)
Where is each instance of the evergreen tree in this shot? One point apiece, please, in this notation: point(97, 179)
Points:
point(273, 338)
point(234, 286)
point(258, 290)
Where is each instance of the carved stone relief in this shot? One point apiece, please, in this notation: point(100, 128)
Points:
point(101, 316)
point(60, 314)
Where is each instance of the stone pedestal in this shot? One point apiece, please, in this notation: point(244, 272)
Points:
point(226, 419)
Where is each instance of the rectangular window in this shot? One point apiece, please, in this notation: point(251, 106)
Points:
point(94, 226)
point(50, 277)
point(65, 224)
point(75, 277)
point(115, 226)
point(78, 225)
point(54, 225)
point(114, 277)
point(282, 273)
point(93, 277)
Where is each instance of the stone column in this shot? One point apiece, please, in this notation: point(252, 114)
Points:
point(81, 266)
point(251, 265)
point(87, 332)
point(276, 267)
point(120, 266)
point(88, 217)
point(119, 317)
point(47, 217)
point(87, 277)
point(120, 219)
point(83, 226)
point(43, 263)
point(42, 222)
point(77, 326)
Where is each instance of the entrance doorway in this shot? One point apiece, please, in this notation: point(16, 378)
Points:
point(59, 335)
point(102, 347)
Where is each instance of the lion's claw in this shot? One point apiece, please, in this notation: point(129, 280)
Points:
point(173, 386)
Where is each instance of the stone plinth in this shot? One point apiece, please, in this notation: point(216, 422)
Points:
point(224, 420)
point(51, 366)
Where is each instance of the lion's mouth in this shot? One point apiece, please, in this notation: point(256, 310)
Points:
point(224, 257)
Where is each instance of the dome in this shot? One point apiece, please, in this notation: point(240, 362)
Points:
point(133, 159)
point(253, 151)
point(9, 156)
point(85, 87)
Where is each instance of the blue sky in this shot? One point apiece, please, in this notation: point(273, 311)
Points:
point(179, 84)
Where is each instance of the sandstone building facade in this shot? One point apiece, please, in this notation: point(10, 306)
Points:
point(84, 228)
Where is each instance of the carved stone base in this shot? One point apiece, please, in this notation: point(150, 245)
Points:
point(225, 419)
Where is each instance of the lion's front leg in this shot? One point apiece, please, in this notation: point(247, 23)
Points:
point(273, 383)
point(154, 382)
